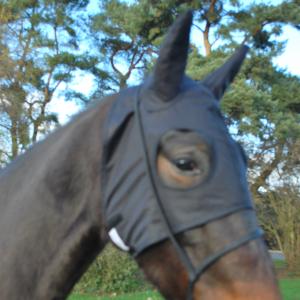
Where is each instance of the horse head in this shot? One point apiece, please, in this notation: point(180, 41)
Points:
point(175, 190)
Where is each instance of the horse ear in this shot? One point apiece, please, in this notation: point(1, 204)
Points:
point(219, 80)
point(171, 62)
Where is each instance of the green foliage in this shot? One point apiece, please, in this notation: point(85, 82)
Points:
point(112, 272)
point(279, 214)
point(38, 52)
point(261, 21)
point(262, 108)
point(126, 35)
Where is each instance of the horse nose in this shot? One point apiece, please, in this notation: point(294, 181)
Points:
point(243, 274)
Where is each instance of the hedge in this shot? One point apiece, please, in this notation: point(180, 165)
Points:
point(112, 272)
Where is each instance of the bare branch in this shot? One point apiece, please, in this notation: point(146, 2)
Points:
point(198, 27)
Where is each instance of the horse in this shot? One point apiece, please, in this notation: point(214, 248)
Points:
point(155, 169)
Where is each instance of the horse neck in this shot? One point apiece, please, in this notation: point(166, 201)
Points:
point(50, 212)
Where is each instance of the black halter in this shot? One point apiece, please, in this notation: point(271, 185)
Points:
point(194, 273)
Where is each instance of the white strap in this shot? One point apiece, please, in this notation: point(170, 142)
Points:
point(117, 240)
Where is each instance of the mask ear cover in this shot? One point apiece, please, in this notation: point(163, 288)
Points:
point(219, 80)
point(172, 59)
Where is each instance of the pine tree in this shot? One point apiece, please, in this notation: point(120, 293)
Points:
point(39, 51)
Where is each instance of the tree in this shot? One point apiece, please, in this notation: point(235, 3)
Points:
point(262, 110)
point(262, 107)
point(279, 213)
point(39, 51)
point(126, 36)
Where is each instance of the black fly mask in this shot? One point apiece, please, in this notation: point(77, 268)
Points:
point(142, 210)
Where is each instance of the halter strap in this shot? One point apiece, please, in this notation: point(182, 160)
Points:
point(210, 260)
point(182, 254)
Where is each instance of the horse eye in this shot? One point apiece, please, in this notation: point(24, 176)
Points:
point(186, 165)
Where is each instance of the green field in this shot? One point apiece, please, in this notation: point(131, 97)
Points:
point(290, 289)
point(136, 296)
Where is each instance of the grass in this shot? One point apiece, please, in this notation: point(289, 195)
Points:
point(279, 264)
point(290, 289)
point(136, 296)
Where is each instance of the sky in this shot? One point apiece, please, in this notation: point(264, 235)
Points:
point(288, 60)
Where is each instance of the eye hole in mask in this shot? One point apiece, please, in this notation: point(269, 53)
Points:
point(184, 159)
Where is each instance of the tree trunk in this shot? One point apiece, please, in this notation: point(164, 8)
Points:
point(14, 140)
point(207, 44)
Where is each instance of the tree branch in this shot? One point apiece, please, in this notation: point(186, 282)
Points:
point(267, 170)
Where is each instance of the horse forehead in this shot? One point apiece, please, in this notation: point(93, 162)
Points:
point(193, 94)
point(193, 109)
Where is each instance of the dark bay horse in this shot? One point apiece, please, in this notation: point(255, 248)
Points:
point(156, 168)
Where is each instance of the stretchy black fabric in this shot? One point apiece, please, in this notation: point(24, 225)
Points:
point(142, 209)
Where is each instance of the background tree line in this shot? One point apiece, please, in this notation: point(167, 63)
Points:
point(44, 44)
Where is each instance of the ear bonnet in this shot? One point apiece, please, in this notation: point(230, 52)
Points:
point(139, 208)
